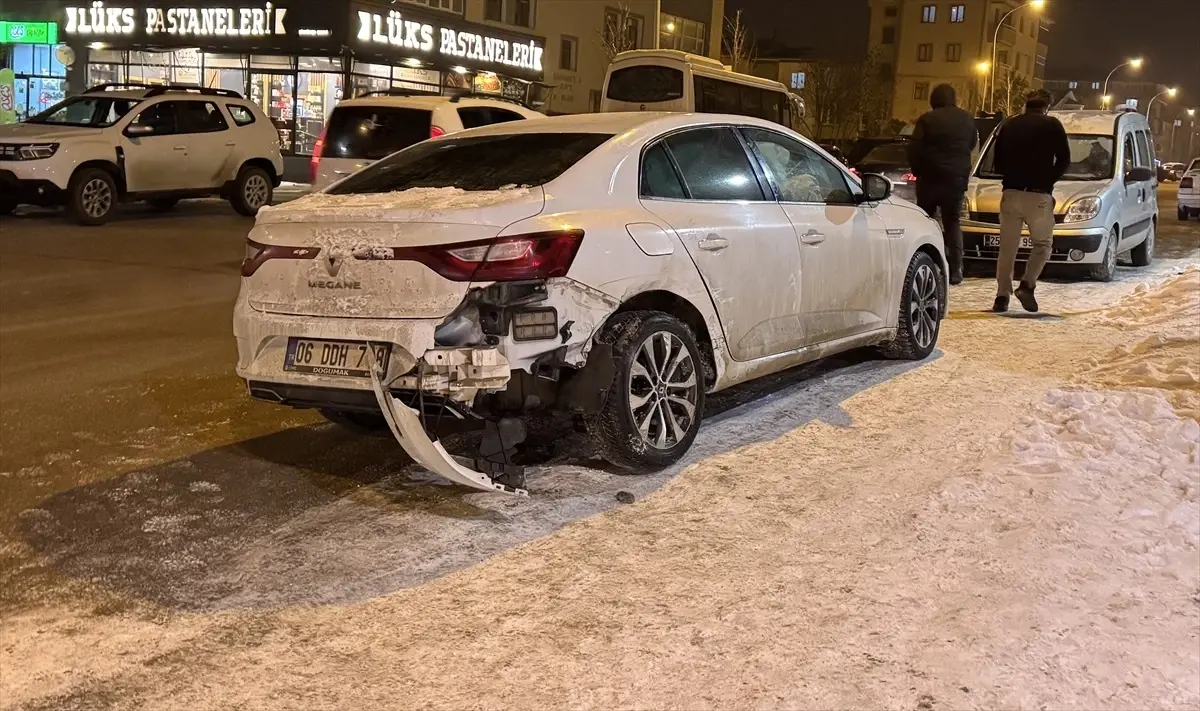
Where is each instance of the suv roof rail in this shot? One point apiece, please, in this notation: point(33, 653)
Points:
point(483, 95)
point(397, 92)
point(160, 89)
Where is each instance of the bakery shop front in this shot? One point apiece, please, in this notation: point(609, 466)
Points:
point(298, 58)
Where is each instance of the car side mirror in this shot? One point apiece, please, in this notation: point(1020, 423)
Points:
point(139, 129)
point(876, 188)
point(1139, 175)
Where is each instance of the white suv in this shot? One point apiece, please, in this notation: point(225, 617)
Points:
point(377, 124)
point(1189, 191)
point(115, 144)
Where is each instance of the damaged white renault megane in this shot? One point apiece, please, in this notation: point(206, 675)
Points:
point(615, 266)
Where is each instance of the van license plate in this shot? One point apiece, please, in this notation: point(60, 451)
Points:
point(994, 241)
point(343, 358)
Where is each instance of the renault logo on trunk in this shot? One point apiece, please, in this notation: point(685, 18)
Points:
point(333, 264)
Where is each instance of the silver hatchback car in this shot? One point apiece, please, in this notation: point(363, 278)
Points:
point(1106, 204)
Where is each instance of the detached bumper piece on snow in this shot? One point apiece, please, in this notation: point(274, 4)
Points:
point(409, 430)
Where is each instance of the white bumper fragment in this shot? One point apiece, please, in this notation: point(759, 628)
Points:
point(406, 427)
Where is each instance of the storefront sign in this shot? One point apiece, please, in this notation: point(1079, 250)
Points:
point(422, 37)
point(98, 19)
point(8, 96)
point(28, 32)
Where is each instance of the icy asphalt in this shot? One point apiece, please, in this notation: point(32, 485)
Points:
point(134, 469)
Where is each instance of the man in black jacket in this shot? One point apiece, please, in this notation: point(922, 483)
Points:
point(1032, 153)
point(940, 156)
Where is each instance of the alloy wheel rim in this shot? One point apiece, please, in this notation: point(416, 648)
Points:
point(256, 191)
point(97, 198)
point(663, 388)
point(924, 306)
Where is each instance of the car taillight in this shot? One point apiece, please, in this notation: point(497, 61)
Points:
point(542, 255)
point(908, 178)
point(436, 131)
point(258, 254)
point(315, 164)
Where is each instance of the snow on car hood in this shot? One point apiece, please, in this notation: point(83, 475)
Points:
point(984, 194)
point(442, 205)
point(43, 132)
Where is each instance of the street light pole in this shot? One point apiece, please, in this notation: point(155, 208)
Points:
point(990, 86)
point(1136, 63)
point(1170, 92)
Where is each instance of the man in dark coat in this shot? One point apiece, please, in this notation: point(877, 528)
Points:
point(940, 156)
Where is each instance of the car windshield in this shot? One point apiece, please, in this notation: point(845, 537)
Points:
point(475, 163)
point(94, 111)
point(1091, 158)
point(890, 153)
point(1194, 166)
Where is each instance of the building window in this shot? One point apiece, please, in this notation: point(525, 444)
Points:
point(889, 11)
point(1095, 85)
point(621, 38)
point(451, 5)
point(511, 12)
point(568, 55)
point(1072, 85)
point(798, 80)
point(954, 52)
point(929, 14)
point(1002, 57)
point(925, 53)
point(921, 91)
point(1131, 103)
point(683, 34)
point(1022, 28)
point(958, 13)
point(889, 35)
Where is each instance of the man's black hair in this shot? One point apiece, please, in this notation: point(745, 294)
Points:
point(1038, 99)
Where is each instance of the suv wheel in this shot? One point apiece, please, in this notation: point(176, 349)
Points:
point(92, 196)
point(162, 204)
point(654, 404)
point(252, 191)
point(920, 311)
point(1143, 254)
point(1107, 269)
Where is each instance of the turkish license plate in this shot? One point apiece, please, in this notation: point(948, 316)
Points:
point(994, 241)
point(344, 358)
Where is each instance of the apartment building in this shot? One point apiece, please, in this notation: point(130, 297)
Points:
point(923, 43)
point(580, 33)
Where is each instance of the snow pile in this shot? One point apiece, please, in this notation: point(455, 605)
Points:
point(414, 198)
point(1176, 300)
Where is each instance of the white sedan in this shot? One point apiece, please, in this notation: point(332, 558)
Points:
point(615, 266)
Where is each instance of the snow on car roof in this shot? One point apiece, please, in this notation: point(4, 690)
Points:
point(1093, 122)
point(615, 122)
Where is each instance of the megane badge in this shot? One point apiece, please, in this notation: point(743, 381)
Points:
point(333, 264)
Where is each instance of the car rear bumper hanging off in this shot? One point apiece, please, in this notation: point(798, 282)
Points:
point(409, 431)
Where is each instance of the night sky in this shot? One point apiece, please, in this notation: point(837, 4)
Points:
point(1088, 37)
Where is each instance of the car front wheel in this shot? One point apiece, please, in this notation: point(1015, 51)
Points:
point(655, 402)
point(252, 191)
point(92, 196)
point(1107, 269)
point(1143, 254)
point(920, 311)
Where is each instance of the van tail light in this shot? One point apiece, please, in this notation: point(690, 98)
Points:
point(315, 164)
point(436, 132)
point(908, 178)
point(541, 255)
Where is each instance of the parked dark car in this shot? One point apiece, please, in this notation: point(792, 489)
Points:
point(863, 146)
point(834, 151)
point(890, 159)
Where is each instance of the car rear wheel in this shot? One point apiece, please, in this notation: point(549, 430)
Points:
point(358, 422)
point(1107, 269)
point(1143, 254)
point(252, 191)
point(92, 196)
point(1182, 213)
point(920, 311)
point(162, 204)
point(655, 402)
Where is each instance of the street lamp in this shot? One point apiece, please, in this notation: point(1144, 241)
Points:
point(1169, 92)
point(1038, 6)
point(1104, 100)
point(1136, 63)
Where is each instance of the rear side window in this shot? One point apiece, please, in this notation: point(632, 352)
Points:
point(476, 116)
point(715, 165)
point(1145, 158)
point(475, 163)
point(374, 132)
point(242, 116)
point(659, 179)
point(645, 84)
point(200, 117)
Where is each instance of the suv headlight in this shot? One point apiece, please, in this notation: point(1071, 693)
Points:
point(1083, 209)
point(964, 210)
point(35, 151)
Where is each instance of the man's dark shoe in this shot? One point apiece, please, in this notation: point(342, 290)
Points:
point(1000, 305)
point(1025, 296)
point(956, 276)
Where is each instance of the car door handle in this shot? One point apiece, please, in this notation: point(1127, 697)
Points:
point(231, 144)
point(812, 237)
point(181, 148)
point(713, 243)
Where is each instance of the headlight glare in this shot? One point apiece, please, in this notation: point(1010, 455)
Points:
point(1083, 209)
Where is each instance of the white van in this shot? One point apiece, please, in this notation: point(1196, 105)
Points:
point(671, 80)
point(1106, 204)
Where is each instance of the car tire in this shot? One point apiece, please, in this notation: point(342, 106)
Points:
point(252, 191)
point(1182, 213)
point(162, 204)
point(92, 196)
point(654, 405)
point(1107, 269)
point(921, 310)
point(7, 207)
point(1143, 254)
point(362, 423)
